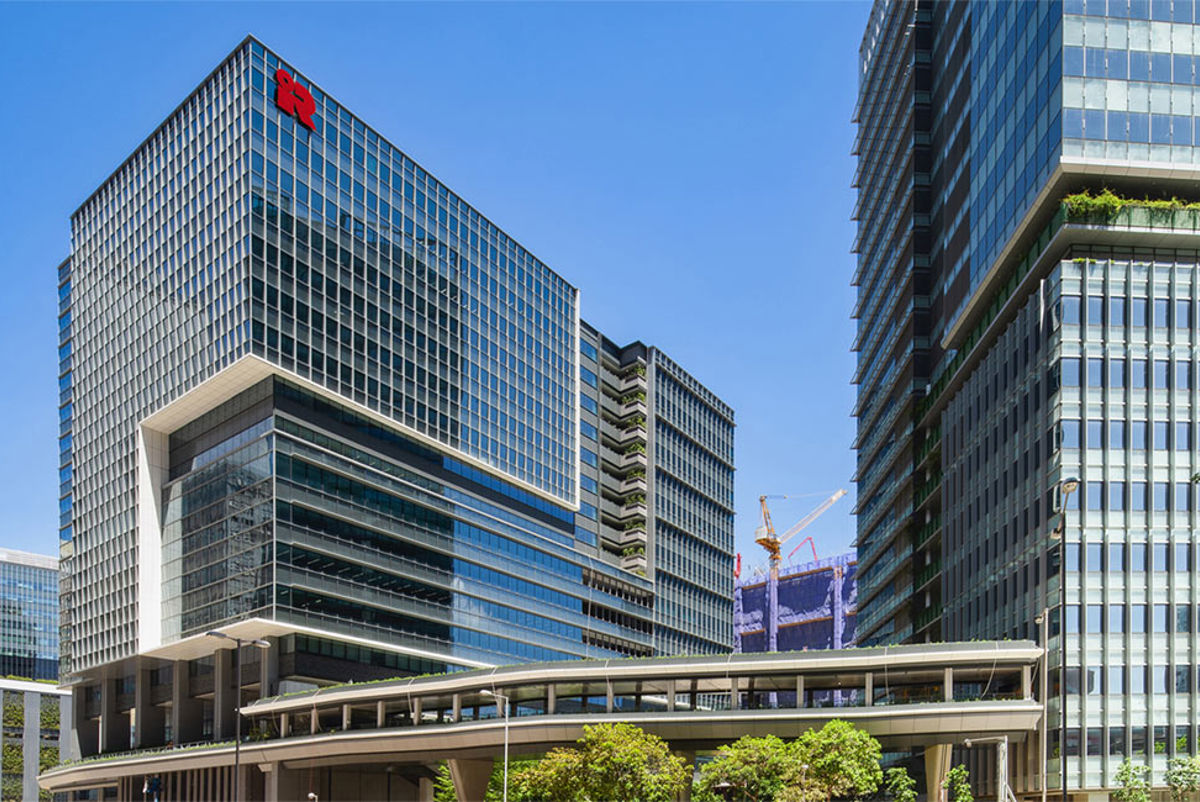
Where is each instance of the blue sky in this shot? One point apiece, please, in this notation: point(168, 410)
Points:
point(687, 166)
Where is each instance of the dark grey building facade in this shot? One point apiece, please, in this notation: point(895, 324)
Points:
point(1014, 335)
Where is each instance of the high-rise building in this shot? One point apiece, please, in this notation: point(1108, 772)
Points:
point(815, 607)
point(310, 396)
point(28, 615)
point(1009, 341)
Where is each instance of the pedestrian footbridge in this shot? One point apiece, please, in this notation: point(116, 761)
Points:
point(380, 740)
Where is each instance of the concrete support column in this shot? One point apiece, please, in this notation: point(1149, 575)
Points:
point(1026, 682)
point(148, 718)
point(268, 669)
point(608, 696)
point(84, 739)
point(224, 698)
point(869, 689)
point(551, 699)
point(347, 717)
point(937, 765)
point(948, 684)
point(114, 729)
point(270, 773)
point(187, 725)
point(425, 790)
point(415, 704)
point(470, 778)
point(284, 725)
point(690, 757)
point(670, 696)
point(456, 703)
point(314, 722)
point(733, 693)
point(799, 690)
point(31, 740)
point(380, 714)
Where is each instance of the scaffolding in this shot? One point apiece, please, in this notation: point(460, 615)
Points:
point(814, 606)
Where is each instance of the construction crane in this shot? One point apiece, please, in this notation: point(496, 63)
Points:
point(766, 537)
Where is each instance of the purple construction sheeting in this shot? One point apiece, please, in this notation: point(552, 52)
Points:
point(816, 607)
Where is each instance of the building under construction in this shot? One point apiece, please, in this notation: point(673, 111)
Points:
point(809, 606)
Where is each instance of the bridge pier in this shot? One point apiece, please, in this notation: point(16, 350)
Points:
point(937, 766)
point(470, 778)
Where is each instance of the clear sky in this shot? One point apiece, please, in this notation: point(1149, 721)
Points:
point(687, 166)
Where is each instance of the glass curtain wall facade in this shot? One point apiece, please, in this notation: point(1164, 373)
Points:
point(308, 394)
point(28, 616)
point(1057, 343)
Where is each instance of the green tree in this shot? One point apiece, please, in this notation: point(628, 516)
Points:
point(958, 783)
point(755, 769)
point(443, 786)
point(612, 761)
point(1133, 782)
point(839, 760)
point(901, 786)
point(1183, 777)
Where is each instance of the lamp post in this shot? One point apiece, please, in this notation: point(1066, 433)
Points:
point(237, 712)
point(501, 698)
point(1043, 620)
point(1001, 741)
point(1068, 486)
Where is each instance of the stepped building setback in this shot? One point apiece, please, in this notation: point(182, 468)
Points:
point(310, 396)
point(1013, 348)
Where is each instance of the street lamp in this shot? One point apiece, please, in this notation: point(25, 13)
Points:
point(1043, 620)
point(237, 717)
point(1068, 486)
point(1002, 789)
point(499, 697)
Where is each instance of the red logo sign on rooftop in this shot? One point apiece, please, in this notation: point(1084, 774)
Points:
point(294, 100)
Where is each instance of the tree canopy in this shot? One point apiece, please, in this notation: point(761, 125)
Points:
point(612, 761)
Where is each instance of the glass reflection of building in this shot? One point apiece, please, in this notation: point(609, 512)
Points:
point(1005, 344)
point(310, 395)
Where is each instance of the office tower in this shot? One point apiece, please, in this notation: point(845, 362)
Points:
point(28, 615)
point(311, 397)
point(816, 606)
point(1008, 341)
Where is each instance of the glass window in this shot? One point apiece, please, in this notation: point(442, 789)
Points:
point(1116, 373)
point(1073, 619)
point(1116, 679)
point(1137, 678)
point(1183, 557)
point(1116, 737)
point(1161, 320)
point(1116, 618)
point(587, 349)
point(1137, 740)
point(1137, 618)
point(1138, 374)
point(587, 510)
point(1116, 557)
point(1183, 435)
point(1183, 313)
point(1095, 495)
point(1095, 434)
point(1161, 676)
point(1116, 434)
point(588, 483)
point(1095, 310)
point(1183, 375)
point(1161, 374)
point(1070, 371)
point(588, 403)
point(1183, 618)
point(1137, 557)
point(1116, 496)
point(1095, 372)
point(1159, 550)
point(588, 457)
point(1095, 619)
point(1137, 310)
point(1095, 557)
point(1116, 312)
point(587, 377)
point(1160, 619)
point(1070, 434)
point(1070, 310)
point(1160, 435)
point(587, 430)
point(1095, 738)
point(1183, 496)
point(1137, 435)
